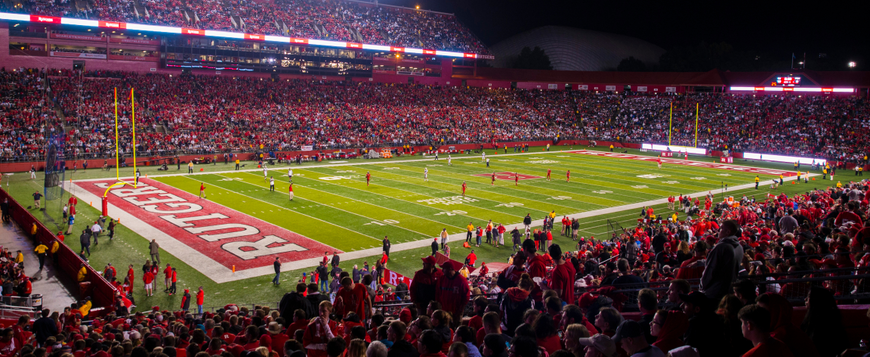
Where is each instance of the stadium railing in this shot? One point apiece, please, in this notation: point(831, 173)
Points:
point(101, 292)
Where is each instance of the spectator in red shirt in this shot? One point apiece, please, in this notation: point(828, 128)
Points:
point(148, 279)
point(355, 297)
point(563, 276)
point(755, 324)
point(422, 287)
point(537, 268)
point(471, 258)
point(451, 290)
point(200, 299)
point(167, 277)
point(693, 268)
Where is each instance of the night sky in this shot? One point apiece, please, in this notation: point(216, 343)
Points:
point(775, 28)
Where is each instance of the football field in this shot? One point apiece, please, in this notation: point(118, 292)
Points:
point(228, 240)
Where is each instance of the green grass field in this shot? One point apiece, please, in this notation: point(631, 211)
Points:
point(334, 206)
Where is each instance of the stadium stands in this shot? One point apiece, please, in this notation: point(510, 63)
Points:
point(808, 249)
point(204, 114)
point(310, 19)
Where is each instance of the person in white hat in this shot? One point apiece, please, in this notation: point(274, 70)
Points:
point(599, 345)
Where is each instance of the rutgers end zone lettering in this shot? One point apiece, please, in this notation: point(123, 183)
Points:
point(220, 234)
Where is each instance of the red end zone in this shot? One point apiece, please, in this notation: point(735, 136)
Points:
point(212, 233)
point(710, 165)
point(508, 176)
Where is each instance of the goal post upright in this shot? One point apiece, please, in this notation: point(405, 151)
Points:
point(119, 182)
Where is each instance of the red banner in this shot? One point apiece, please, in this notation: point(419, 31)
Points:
point(667, 154)
point(393, 278)
point(726, 159)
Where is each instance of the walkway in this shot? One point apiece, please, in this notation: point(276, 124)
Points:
point(46, 282)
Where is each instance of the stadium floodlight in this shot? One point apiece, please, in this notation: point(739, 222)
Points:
point(852, 64)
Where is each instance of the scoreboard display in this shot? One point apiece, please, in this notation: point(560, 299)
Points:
point(787, 81)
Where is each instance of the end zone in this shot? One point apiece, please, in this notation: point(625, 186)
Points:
point(709, 165)
point(211, 238)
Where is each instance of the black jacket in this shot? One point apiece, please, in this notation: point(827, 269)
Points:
point(315, 299)
point(43, 328)
point(403, 348)
point(527, 220)
point(85, 238)
point(707, 333)
point(292, 301)
point(277, 266)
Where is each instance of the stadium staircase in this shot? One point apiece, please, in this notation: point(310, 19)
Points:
point(139, 10)
point(82, 6)
point(237, 21)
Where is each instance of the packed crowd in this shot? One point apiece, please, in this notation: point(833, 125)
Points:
point(831, 127)
point(206, 114)
point(330, 20)
point(722, 296)
point(213, 113)
point(23, 114)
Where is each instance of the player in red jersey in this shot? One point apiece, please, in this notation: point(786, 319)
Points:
point(516, 178)
point(568, 176)
point(291, 191)
point(659, 160)
point(201, 190)
point(493, 179)
point(548, 174)
point(368, 177)
point(464, 186)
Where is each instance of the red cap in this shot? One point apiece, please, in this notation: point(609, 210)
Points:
point(430, 259)
point(452, 264)
point(585, 300)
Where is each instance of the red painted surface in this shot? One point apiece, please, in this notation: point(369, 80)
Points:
point(213, 248)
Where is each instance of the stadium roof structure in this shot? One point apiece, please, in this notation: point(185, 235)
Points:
point(572, 49)
point(112, 25)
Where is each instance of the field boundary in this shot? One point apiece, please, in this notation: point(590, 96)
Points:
point(166, 241)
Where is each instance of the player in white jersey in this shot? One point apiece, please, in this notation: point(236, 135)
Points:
point(426, 174)
point(271, 184)
point(449, 160)
point(265, 174)
point(290, 173)
point(482, 155)
point(436, 155)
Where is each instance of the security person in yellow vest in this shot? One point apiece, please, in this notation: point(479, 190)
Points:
point(756, 181)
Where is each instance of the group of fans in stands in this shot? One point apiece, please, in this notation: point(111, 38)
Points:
point(208, 114)
point(310, 19)
point(722, 282)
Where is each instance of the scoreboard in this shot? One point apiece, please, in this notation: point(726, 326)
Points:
point(787, 81)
